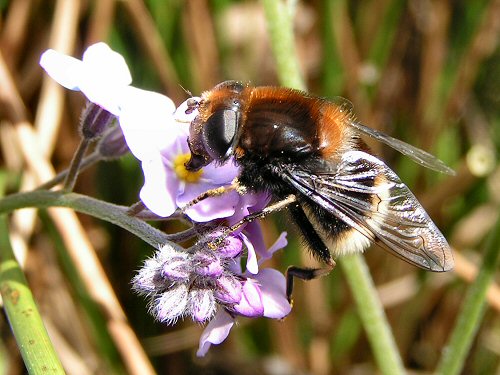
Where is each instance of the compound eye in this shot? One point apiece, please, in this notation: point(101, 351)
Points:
point(219, 132)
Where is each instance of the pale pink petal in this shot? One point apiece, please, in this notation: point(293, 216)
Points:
point(210, 208)
point(215, 332)
point(273, 291)
point(251, 304)
point(252, 265)
point(279, 244)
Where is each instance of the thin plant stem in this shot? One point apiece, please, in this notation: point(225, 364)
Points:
point(473, 308)
point(87, 162)
point(279, 19)
point(372, 314)
point(280, 25)
point(105, 211)
point(35, 346)
point(74, 167)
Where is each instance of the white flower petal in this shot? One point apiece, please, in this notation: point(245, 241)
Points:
point(157, 192)
point(252, 265)
point(106, 65)
point(146, 119)
point(66, 70)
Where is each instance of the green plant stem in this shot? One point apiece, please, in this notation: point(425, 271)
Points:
point(473, 308)
point(25, 321)
point(280, 27)
point(74, 168)
point(106, 211)
point(60, 177)
point(372, 314)
point(279, 20)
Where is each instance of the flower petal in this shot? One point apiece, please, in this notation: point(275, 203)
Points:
point(253, 230)
point(251, 302)
point(106, 65)
point(160, 188)
point(221, 174)
point(210, 208)
point(252, 265)
point(273, 291)
point(66, 70)
point(279, 244)
point(147, 121)
point(215, 332)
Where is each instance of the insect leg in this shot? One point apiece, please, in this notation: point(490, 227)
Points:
point(207, 194)
point(318, 248)
point(316, 244)
point(277, 206)
point(264, 212)
point(235, 185)
point(304, 274)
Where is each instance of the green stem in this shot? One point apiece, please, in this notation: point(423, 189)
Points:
point(25, 321)
point(372, 314)
point(74, 167)
point(280, 27)
point(87, 162)
point(473, 307)
point(106, 211)
point(279, 20)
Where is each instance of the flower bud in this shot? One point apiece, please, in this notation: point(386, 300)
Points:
point(177, 267)
point(228, 289)
point(113, 144)
point(171, 305)
point(251, 302)
point(94, 121)
point(207, 265)
point(231, 248)
point(202, 304)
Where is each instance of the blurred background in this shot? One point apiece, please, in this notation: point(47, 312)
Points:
point(424, 71)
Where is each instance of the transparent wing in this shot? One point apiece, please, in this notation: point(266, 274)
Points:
point(370, 197)
point(420, 156)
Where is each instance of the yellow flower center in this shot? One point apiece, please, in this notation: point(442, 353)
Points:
point(182, 172)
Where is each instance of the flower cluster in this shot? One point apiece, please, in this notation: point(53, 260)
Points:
point(207, 279)
point(205, 282)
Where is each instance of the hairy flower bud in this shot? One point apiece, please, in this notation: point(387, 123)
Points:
point(202, 304)
point(94, 121)
point(228, 290)
point(171, 304)
point(113, 145)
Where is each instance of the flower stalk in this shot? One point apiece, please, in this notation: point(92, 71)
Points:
point(473, 308)
point(24, 318)
point(102, 210)
point(76, 162)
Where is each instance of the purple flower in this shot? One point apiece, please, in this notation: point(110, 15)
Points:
point(206, 282)
point(264, 295)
